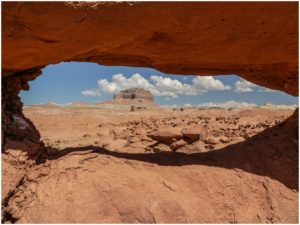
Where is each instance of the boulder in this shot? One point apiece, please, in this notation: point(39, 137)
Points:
point(146, 138)
point(134, 139)
point(192, 134)
point(225, 140)
point(167, 135)
point(197, 146)
point(140, 131)
point(213, 125)
point(212, 140)
point(161, 148)
point(178, 144)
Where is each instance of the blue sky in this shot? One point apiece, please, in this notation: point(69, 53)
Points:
point(73, 81)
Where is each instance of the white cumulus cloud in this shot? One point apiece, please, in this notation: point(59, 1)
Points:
point(170, 106)
point(158, 85)
point(228, 104)
point(120, 82)
point(94, 93)
point(243, 86)
point(266, 90)
point(209, 83)
point(186, 105)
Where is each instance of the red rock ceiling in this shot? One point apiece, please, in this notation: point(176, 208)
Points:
point(258, 41)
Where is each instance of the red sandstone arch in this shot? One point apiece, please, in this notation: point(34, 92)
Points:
point(258, 41)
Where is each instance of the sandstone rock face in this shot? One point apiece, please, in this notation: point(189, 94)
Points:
point(179, 38)
point(135, 93)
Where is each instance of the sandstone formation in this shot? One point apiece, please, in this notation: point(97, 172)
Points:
point(15, 126)
point(133, 99)
point(134, 93)
point(179, 38)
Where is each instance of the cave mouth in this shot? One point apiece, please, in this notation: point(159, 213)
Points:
point(89, 89)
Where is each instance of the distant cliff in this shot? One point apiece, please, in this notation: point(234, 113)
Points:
point(134, 93)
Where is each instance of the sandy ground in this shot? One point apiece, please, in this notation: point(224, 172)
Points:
point(106, 166)
point(113, 129)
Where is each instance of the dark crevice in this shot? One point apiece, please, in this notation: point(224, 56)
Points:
point(6, 215)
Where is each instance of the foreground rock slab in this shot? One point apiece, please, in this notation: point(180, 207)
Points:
point(255, 181)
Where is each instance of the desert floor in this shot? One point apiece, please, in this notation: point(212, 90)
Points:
point(118, 166)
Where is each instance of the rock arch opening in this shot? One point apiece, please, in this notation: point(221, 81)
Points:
point(254, 161)
point(134, 89)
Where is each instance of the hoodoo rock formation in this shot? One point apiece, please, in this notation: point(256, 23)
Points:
point(134, 93)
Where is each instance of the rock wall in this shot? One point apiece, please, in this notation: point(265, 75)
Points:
point(134, 93)
point(16, 128)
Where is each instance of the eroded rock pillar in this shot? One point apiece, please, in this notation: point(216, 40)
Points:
point(18, 132)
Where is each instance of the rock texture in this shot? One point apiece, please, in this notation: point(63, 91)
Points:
point(134, 93)
point(258, 41)
point(255, 181)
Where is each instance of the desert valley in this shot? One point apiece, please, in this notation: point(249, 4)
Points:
point(139, 125)
point(154, 164)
